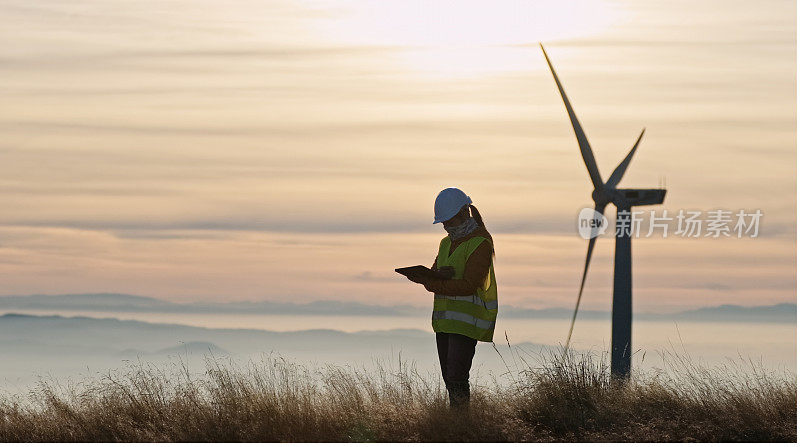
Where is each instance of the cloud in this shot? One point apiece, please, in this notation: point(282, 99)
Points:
point(151, 225)
point(541, 128)
point(367, 276)
point(187, 59)
point(716, 42)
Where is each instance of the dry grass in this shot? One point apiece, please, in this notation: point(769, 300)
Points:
point(570, 399)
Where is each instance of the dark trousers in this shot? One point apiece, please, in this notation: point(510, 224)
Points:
point(455, 357)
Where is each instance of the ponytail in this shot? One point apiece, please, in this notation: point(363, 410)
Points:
point(477, 216)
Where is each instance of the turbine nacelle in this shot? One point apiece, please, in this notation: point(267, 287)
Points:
point(626, 198)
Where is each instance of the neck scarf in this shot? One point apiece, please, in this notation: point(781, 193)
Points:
point(465, 228)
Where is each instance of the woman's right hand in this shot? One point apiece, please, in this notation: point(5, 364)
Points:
point(446, 271)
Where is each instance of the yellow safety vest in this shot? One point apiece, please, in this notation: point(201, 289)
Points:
point(472, 315)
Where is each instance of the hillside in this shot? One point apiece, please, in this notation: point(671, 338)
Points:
point(276, 401)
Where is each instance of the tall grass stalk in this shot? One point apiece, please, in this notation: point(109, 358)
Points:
point(552, 398)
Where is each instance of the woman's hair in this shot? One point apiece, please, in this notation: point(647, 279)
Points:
point(477, 216)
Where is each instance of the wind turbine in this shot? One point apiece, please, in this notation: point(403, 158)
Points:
point(623, 200)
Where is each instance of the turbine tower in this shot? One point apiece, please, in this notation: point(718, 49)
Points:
point(623, 200)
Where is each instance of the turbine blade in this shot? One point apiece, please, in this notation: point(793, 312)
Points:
point(583, 142)
point(592, 240)
point(616, 176)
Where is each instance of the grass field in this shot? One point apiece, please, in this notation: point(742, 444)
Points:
point(569, 399)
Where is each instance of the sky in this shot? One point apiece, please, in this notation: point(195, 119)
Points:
point(291, 150)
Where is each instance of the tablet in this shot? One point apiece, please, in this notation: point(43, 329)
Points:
point(421, 270)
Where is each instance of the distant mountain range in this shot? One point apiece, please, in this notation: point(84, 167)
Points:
point(34, 346)
point(111, 302)
point(778, 313)
point(18, 332)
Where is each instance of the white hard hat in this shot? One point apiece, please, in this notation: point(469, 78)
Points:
point(448, 203)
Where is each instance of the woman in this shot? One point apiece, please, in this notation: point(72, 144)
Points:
point(465, 305)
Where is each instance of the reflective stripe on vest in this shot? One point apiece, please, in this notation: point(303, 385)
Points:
point(474, 299)
point(460, 316)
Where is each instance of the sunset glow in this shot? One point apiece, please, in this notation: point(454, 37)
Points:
point(467, 38)
point(291, 151)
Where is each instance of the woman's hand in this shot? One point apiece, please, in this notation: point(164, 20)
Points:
point(447, 271)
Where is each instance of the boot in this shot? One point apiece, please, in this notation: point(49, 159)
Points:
point(459, 395)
